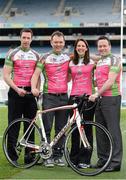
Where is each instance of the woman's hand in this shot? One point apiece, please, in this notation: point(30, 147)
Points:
point(35, 92)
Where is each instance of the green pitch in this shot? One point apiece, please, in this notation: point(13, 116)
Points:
point(7, 171)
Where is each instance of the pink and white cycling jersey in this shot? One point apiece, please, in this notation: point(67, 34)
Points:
point(55, 73)
point(81, 78)
point(104, 66)
point(23, 64)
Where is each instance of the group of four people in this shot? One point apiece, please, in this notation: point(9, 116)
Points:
point(57, 67)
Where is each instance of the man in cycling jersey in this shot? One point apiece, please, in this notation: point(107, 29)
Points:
point(19, 66)
point(54, 66)
point(107, 113)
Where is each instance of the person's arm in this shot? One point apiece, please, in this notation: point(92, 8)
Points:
point(39, 83)
point(7, 78)
point(95, 58)
point(107, 85)
point(34, 81)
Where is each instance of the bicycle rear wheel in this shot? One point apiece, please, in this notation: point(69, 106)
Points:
point(17, 154)
point(89, 170)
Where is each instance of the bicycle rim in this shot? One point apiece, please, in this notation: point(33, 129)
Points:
point(73, 159)
point(17, 154)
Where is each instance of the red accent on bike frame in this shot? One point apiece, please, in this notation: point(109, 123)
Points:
point(82, 127)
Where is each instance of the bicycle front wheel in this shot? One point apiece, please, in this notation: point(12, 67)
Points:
point(83, 160)
point(20, 154)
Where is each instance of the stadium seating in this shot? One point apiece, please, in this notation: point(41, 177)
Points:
point(93, 11)
point(75, 12)
point(58, 11)
point(28, 10)
point(1, 5)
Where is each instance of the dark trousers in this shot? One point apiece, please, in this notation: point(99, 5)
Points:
point(78, 153)
point(19, 107)
point(60, 117)
point(108, 114)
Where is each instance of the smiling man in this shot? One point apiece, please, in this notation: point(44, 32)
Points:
point(54, 66)
point(107, 113)
point(19, 66)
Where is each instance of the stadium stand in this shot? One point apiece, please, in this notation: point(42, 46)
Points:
point(83, 11)
point(74, 18)
point(30, 11)
point(56, 12)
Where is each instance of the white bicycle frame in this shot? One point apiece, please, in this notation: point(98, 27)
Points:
point(75, 118)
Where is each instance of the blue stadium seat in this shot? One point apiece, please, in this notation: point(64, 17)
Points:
point(29, 11)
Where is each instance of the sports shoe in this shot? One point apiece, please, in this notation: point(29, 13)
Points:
point(111, 169)
point(83, 165)
point(49, 163)
point(59, 162)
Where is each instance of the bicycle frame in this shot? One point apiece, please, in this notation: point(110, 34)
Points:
point(38, 147)
point(75, 118)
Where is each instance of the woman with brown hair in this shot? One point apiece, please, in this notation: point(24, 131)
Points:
point(81, 71)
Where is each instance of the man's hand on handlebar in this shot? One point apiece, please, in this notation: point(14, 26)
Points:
point(93, 97)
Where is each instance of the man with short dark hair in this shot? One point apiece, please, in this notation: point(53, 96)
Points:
point(107, 113)
point(54, 65)
point(19, 66)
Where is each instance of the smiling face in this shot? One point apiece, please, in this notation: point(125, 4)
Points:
point(57, 43)
point(104, 47)
point(26, 39)
point(81, 48)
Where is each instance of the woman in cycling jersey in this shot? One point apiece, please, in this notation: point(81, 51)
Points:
point(81, 70)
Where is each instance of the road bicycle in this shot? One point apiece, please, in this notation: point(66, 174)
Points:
point(40, 148)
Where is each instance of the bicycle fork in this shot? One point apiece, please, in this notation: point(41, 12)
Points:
point(82, 132)
point(42, 129)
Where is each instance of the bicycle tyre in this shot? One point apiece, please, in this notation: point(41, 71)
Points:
point(21, 162)
point(90, 171)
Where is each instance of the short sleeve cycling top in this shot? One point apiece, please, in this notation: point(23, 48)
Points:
point(81, 78)
point(109, 64)
point(23, 64)
point(55, 72)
